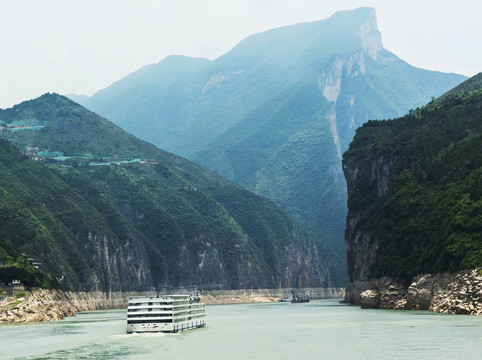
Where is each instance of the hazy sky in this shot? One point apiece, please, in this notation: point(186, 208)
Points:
point(82, 46)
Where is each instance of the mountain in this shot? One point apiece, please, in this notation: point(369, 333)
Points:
point(415, 192)
point(103, 210)
point(276, 113)
point(77, 98)
point(50, 222)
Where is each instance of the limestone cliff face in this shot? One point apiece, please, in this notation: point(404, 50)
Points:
point(295, 264)
point(51, 305)
point(303, 267)
point(330, 83)
point(117, 264)
point(450, 293)
point(360, 244)
point(226, 261)
point(370, 37)
point(400, 240)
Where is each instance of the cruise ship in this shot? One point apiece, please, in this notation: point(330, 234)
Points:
point(165, 313)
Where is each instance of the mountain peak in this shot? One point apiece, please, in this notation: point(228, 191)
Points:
point(366, 20)
point(345, 32)
point(371, 39)
point(48, 101)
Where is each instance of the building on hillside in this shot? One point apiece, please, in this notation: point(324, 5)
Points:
point(50, 154)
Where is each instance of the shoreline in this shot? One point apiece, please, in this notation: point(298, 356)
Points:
point(41, 305)
point(449, 293)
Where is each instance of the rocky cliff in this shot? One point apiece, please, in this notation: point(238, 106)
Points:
point(414, 223)
point(51, 305)
point(117, 264)
point(361, 247)
point(450, 293)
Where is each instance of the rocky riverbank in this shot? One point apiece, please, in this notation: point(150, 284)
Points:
point(50, 305)
point(450, 293)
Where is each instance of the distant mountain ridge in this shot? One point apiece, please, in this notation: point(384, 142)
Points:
point(276, 113)
point(111, 212)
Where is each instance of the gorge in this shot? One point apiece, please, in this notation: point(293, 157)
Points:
point(276, 112)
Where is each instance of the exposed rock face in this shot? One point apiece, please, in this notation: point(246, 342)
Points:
point(329, 81)
point(461, 296)
point(403, 221)
point(117, 267)
point(303, 267)
point(384, 293)
point(370, 299)
point(50, 305)
point(360, 245)
point(370, 37)
point(459, 293)
point(447, 293)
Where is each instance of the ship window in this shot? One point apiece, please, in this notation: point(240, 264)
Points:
point(149, 316)
point(148, 321)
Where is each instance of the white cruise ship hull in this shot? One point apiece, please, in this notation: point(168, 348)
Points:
point(159, 327)
point(167, 313)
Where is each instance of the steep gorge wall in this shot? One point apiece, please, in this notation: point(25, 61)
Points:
point(394, 217)
point(361, 247)
point(117, 264)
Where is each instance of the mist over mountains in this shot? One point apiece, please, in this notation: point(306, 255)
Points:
point(276, 113)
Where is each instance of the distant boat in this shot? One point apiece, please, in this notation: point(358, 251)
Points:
point(165, 313)
point(285, 300)
point(300, 298)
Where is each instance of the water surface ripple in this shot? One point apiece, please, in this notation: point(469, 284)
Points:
point(321, 329)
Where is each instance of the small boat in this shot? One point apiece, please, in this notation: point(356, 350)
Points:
point(300, 298)
point(285, 300)
point(165, 313)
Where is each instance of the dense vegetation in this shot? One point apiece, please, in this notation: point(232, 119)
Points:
point(430, 220)
point(48, 220)
point(28, 277)
point(159, 222)
point(71, 129)
point(258, 115)
point(13, 265)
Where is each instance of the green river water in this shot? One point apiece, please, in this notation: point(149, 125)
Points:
point(321, 329)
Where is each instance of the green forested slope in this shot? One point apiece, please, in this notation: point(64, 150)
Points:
point(157, 221)
point(430, 219)
point(43, 217)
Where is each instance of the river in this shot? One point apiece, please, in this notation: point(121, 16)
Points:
point(322, 329)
